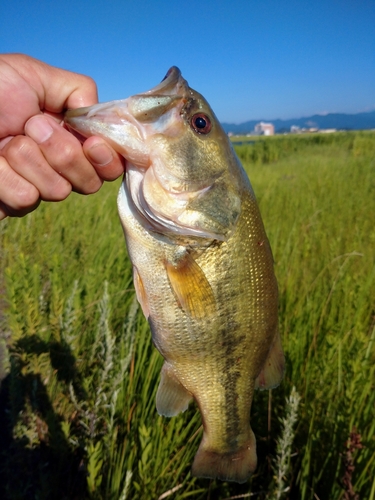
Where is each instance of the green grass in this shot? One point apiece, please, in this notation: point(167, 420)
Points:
point(77, 408)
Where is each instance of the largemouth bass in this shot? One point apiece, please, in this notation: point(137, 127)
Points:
point(202, 264)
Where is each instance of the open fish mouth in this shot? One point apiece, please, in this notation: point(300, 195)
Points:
point(127, 123)
point(145, 107)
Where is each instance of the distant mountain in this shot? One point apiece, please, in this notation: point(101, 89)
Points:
point(340, 121)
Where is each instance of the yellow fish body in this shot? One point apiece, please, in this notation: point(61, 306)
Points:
point(202, 264)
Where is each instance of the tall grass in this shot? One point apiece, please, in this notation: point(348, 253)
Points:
point(77, 404)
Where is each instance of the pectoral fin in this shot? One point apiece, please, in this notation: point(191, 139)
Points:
point(273, 369)
point(191, 287)
point(171, 398)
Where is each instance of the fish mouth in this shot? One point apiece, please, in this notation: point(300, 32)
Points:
point(127, 123)
point(145, 107)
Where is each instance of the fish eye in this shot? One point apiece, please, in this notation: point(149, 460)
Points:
point(201, 123)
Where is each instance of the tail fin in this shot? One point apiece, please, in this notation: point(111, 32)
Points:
point(236, 466)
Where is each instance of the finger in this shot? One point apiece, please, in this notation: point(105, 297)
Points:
point(64, 153)
point(106, 161)
point(17, 196)
point(64, 89)
point(5, 141)
point(26, 159)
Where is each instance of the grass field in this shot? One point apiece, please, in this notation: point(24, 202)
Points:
point(77, 402)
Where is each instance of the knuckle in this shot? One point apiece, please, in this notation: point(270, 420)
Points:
point(59, 191)
point(27, 196)
point(19, 149)
point(66, 154)
point(16, 194)
point(71, 163)
point(91, 186)
point(90, 82)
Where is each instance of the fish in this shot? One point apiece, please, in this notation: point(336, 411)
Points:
point(203, 269)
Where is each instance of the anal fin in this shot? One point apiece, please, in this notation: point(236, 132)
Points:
point(273, 368)
point(191, 287)
point(172, 398)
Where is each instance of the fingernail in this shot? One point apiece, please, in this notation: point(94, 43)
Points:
point(100, 155)
point(39, 129)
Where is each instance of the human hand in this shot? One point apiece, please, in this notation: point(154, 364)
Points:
point(39, 158)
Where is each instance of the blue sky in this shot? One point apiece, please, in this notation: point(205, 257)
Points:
point(250, 59)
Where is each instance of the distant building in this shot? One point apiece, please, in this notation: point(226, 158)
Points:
point(264, 129)
point(294, 129)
